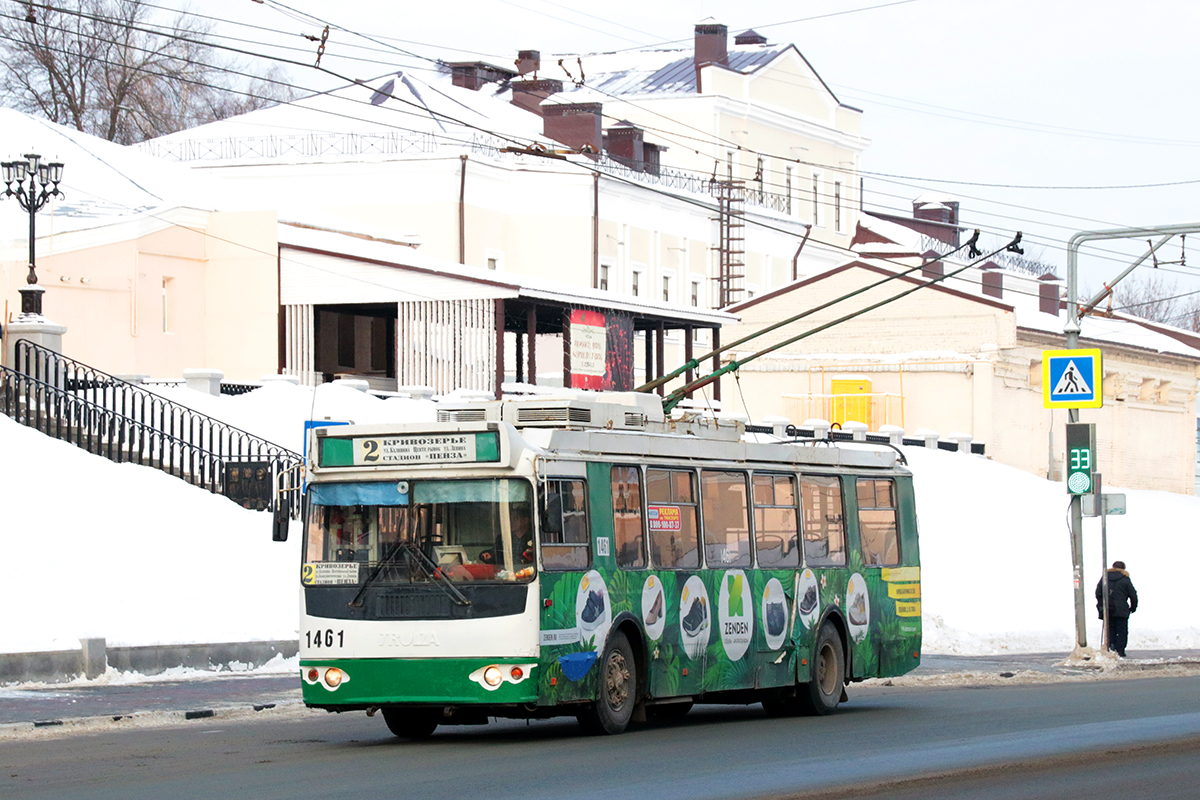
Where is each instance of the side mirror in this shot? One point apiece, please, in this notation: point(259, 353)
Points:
point(280, 521)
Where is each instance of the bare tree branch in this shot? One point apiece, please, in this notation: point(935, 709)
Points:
point(1159, 299)
point(104, 67)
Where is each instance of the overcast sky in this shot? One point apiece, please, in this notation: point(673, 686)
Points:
point(1015, 92)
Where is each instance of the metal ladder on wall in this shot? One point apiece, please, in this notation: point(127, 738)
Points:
point(731, 279)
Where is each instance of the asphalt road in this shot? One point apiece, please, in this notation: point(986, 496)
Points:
point(1147, 730)
point(225, 690)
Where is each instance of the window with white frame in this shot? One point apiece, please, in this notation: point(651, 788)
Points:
point(635, 283)
point(837, 206)
point(818, 207)
point(695, 294)
point(668, 285)
point(494, 260)
point(168, 303)
point(603, 278)
point(787, 186)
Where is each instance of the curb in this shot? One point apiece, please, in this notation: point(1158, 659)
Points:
point(144, 719)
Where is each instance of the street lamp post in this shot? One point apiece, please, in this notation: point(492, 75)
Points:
point(43, 184)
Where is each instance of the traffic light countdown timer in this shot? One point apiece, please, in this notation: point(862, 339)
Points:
point(1081, 456)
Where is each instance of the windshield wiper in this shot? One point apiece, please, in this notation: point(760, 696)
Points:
point(386, 562)
point(427, 565)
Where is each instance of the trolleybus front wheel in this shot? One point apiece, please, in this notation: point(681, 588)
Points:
point(617, 692)
point(828, 673)
point(411, 723)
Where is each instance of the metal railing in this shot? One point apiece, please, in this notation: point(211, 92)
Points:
point(390, 143)
point(688, 181)
point(125, 423)
point(319, 144)
point(872, 408)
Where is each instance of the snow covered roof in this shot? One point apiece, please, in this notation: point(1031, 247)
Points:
point(896, 237)
point(406, 111)
point(1119, 332)
point(104, 183)
point(660, 71)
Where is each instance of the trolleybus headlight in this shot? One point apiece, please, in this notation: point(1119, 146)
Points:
point(492, 676)
point(517, 673)
point(313, 675)
point(333, 677)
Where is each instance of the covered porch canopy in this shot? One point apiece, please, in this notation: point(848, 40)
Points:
point(375, 310)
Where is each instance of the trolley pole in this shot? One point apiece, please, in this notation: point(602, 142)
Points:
point(1071, 329)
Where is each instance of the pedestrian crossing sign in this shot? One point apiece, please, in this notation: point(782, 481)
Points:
point(1071, 379)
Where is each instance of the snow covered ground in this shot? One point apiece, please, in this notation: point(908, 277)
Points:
point(92, 548)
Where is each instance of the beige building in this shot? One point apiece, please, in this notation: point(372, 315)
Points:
point(953, 360)
point(444, 162)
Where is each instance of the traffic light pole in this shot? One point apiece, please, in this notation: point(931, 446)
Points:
point(1071, 329)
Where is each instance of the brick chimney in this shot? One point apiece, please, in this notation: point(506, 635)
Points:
point(945, 211)
point(530, 94)
point(1049, 294)
point(474, 75)
point(712, 46)
point(992, 280)
point(577, 125)
point(528, 61)
point(626, 143)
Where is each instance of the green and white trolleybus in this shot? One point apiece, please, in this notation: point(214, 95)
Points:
point(594, 557)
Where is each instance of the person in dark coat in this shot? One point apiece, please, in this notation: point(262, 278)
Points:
point(1122, 601)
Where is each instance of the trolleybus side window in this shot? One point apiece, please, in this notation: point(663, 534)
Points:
point(674, 531)
point(566, 540)
point(726, 518)
point(627, 517)
point(877, 522)
point(824, 522)
point(775, 530)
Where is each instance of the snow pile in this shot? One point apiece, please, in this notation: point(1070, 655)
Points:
point(93, 548)
point(996, 560)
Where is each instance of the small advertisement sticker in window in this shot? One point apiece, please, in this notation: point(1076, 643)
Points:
point(329, 573)
point(665, 518)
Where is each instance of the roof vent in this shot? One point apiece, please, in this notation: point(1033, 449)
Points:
point(462, 414)
point(557, 414)
point(750, 37)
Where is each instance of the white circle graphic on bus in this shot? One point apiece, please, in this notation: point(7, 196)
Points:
point(858, 607)
point(593, 609)
point(736, 606)
point(809, 604)
point(695, 617)
point(774, 614)
point(654, 607)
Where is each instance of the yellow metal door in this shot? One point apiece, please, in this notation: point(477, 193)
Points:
point(851, 401)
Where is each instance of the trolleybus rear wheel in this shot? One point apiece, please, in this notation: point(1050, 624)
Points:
point(617, 693)
point(411, 723)
point(827, 683)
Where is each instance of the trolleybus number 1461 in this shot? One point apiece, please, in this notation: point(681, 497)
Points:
point(325, 638)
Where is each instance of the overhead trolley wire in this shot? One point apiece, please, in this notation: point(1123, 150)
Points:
point(695, 362)
point(673, 399)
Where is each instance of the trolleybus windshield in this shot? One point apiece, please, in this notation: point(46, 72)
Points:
point(419, 531)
